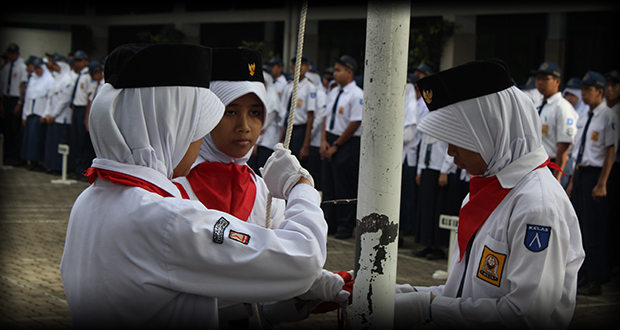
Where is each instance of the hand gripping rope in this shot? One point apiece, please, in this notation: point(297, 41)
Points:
point(291, 118)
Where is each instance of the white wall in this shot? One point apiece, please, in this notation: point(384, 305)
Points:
point(36, 42)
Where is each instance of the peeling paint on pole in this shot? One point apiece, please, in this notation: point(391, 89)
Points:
point(378, 202)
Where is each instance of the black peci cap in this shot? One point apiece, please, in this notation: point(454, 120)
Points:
point(237, 64)
point(144, 65)
point(464, 82)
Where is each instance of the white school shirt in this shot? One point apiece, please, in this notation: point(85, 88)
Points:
point(83, 81)
point(559, 123)
point(94, 88)
point(271, 127)
point(602, 133)
point(306, 102)
point(58, 105)
point(411, 137)
point(19, 75)
point(438, 154)
point(133, 258)
point(259, 210)
point(616, 110)
point(319, 115)
point(534, 237)
point(279, 84)
point(349, 109)
point(37, 94)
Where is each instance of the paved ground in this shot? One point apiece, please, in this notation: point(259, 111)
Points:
point(33, 220)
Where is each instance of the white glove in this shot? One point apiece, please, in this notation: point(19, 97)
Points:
point(411, 309)
point(403, 288)
point(328, 287)
point(282, 171)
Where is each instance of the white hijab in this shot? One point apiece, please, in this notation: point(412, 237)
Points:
point(39, 86)
point(62, 78)
point(501, 127)
point(152, 126)
point(580, 107)
point(228, 91)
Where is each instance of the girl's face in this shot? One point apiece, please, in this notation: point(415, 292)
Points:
point(240, 126)
point(470, 161)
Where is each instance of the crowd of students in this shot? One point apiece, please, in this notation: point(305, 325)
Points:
point(46, 102)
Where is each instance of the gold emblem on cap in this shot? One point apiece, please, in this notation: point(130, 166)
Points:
point(252, 68)
point(428, 96)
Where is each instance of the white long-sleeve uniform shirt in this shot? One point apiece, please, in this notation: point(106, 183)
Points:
point(559, 123)
point(134, 258)
point(522, 267)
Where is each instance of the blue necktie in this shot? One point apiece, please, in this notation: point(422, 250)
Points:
point(584, 136)
point(77, 81)
point(333, 119)
point(541, 106)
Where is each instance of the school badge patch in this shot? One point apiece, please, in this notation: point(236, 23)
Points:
point(545, 129)
point(239, 237)
point(218, 230)
point(491, 266)
point(595, 136)
point(537, 237)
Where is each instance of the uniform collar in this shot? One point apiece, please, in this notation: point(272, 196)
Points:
point(141, 172)
point(510, 175)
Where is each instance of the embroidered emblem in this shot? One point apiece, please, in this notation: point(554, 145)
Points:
point(545, 129)
point(595, 136)
point(239, 237)
point(299, 102)
point(252, 68)
point(537, 237)
point(491, 266)
point(428, 96)
point(361, 101)
point(544, 66)
point(340, 110)
point(218, 230)
point(570, 131)
point(312, 95)
point(569, 121)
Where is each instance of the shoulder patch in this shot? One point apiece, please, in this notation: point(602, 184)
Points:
point(537, 237)
point(239, 237)
point(312, 95)
point(491, 266)
point(218, 230)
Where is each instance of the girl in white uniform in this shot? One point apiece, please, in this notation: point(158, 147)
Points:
point(136, 253)
point(36, 97)
point(220, 178)
point(519, 243)
point(58, 118)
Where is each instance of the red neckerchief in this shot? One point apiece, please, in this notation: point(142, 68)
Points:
point(484, 196)
point(224, 187)
point(127, 180)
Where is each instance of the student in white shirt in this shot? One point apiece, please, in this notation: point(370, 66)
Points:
point(594, 153)
point(137, 254)
point(519, 243)
point(558, 117)
point(340, 147)
point(305, 110)
point(36, 97)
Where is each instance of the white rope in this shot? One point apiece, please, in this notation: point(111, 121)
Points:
point(291, 118)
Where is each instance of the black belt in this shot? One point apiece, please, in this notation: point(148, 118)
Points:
point(588, 168)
